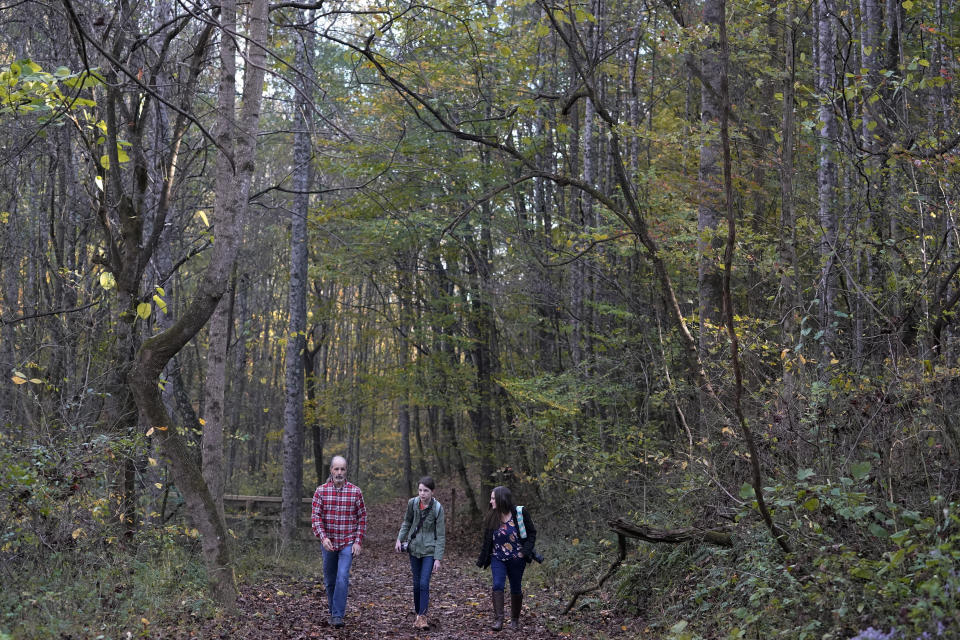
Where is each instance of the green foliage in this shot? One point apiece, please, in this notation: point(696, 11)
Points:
point(858, 563)
point(25, 88)
point(70, 569)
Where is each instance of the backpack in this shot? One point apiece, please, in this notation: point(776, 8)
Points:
point(522, 528)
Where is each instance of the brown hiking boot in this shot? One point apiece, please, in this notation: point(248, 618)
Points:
point(516, 604)
point(497, 611)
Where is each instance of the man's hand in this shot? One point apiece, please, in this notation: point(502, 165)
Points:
point(398, 546)
point(327, 544)
point(357, 549)
point(436, 566)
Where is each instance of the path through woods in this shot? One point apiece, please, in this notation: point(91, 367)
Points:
point(380, 602)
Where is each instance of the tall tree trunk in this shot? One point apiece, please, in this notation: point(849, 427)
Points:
point(710, 210)
point(404, 269)
point(827, 180)
point(156, 352)
point(214, 391)
point(296, 331)
point(239, 383)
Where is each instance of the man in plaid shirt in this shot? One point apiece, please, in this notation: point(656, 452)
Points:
point(339, 519)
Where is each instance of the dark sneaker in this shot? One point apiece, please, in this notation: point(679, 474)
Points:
point(337, 622)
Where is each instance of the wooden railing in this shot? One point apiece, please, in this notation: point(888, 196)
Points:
point(261, 508)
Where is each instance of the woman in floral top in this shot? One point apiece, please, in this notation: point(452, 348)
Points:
point(506, 552)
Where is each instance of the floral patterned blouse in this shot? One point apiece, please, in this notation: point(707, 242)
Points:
point(506, 542)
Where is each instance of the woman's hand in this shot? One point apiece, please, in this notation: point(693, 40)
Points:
point(436, 566)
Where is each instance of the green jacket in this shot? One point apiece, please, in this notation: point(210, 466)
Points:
point(431, 538)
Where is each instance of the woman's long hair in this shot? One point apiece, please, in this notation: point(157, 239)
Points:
point(504, 501)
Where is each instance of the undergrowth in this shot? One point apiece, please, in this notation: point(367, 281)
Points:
point(103, 593)
point(861, 568)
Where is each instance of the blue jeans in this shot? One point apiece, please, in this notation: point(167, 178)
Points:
point(422, 570)
point(512, 569)
point(336, 577)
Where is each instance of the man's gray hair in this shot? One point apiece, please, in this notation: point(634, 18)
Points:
point(334, 459)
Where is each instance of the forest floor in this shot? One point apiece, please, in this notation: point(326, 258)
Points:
point(380, 602)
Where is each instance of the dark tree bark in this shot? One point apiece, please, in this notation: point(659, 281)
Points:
point(293, 426)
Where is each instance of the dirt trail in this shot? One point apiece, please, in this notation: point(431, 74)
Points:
point(380, 603)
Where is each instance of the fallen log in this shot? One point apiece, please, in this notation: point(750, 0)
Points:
point(626, 530)
point(672, 536)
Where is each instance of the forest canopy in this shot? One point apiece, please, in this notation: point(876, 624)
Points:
point(684, 264)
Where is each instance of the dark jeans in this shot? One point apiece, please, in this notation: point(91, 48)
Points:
point(512, 569)
point(422, 569)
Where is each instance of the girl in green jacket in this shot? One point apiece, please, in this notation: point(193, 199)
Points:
point(423, 536)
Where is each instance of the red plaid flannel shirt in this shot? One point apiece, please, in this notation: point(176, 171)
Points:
point(339, 514)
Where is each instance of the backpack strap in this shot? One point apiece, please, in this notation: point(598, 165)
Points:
point(436, 514)
point(522, 528)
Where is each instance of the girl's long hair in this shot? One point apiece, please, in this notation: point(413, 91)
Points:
point(504, 501)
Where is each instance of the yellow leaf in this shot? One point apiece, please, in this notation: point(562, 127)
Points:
point(201, 421)
point(107, 281)
point(834, 361)
point(149, 432)
point(36, 380)
point(160, 303)
point(576, 541)
point(144, 621)
point(152, 461)
point(161, 428)
point(18, 380)
point(158, 485)
point(801, 358)
point(143, 310)
point(203, 216)
point(76, 533)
